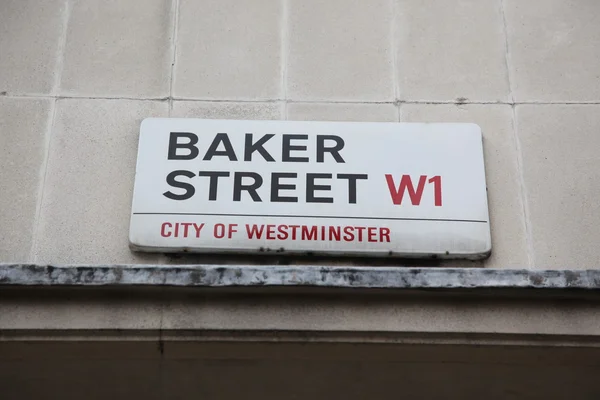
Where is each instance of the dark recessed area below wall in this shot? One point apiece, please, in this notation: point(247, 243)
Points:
point(212, 370)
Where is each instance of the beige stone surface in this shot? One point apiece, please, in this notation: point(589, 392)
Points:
point(554, 49)
point(451, 49)
point(78, 312)
point(560, 162)
point(89, 182)
point(23, 133)
point(343, 314)
point(226, 110)
point(342, 112)
point(228, 50)
point(196, 314)
point(509, 246)
point(118, 48)
point(30, 36)
point(340, 50)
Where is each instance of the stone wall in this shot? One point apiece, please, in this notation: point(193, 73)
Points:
point(77, 78)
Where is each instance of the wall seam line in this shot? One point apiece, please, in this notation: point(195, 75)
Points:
point(174, 34)
point(523, 186)
point(284, 46)
point(161, 343)
point(517, 144)
point(266, 100)
point(43, 173)
point(394, 49)
point(507, 59)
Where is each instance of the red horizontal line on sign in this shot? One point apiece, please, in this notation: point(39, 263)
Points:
point(314, 216)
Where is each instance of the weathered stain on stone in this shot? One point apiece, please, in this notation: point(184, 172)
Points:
point(118, 274)
point(571, 278)
point(258, 282)
point(221, 272)
point(89, 275)
point(536, 279)
point(323, 272)
point(317, 276)
point(196, 276)
point(404, 281)
point(352, 278)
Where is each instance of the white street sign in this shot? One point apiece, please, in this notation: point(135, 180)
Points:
point(379, 189)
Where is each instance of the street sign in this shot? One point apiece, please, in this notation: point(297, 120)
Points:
point(340, 188)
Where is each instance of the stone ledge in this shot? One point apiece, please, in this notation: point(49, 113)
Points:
point(217, 276)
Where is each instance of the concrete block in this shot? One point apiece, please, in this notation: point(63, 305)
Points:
point(76, 312)
point(554, 49)
point(30, 35)
point(228, 50)
point(340, 50)
point(342, 112)
point(451, 49)
point(509, 246)
point(23, 132)
point(226, 110)
point(561, 166)
point(89, 182)
point(118, 48)
point(340, 314)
